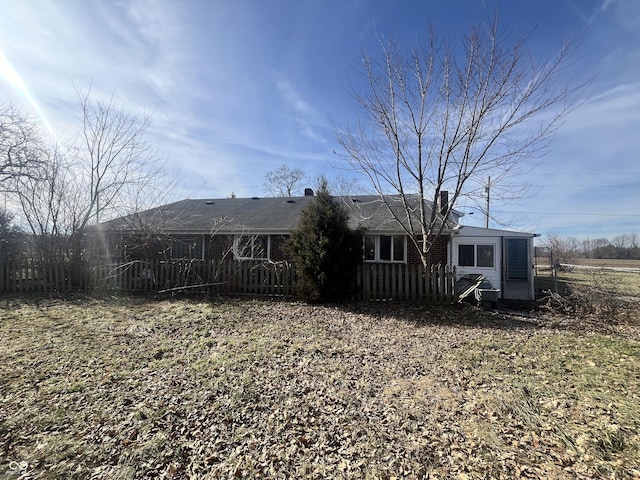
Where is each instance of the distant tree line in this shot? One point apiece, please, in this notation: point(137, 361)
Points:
point(624, 247)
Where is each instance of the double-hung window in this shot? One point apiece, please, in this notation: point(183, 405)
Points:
point(385, 248)
point(481, 256)
point(252, 247)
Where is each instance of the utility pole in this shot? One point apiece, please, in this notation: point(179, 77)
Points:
point(487, 189)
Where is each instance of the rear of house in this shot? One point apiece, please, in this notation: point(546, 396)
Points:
point(256, 229)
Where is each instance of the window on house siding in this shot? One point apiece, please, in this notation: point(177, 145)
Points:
point(485, 256)
point(252, 247)
point(369, 248)
point(481, 256)
point(517, 259)
point(187, 247)
point(398, 248)
point(466, 256)
point(385, 248)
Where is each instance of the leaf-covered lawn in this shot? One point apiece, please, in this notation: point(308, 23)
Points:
point(258, 389)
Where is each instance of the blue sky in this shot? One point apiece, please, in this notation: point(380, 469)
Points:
point(238, 88)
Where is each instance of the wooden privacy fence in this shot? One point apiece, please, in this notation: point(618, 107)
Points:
point(374, 281)
point(246, 277)
point(228, 276)
point(391, 281)
point(28, 275)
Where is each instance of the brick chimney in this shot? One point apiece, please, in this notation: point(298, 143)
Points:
point(443, 202)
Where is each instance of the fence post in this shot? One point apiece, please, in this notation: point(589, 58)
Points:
point(452, 292)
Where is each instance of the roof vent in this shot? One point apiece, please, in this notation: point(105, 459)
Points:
point(308, 192)
point(291, 201)
point(355, 200)
point(209, 202)
point(255, 198)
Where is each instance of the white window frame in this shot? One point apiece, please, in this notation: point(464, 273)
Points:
point(475, 255)
point(242, 255)
point(376, 258)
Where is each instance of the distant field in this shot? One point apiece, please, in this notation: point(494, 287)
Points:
point(596, 262)
point(607, 275)
point(606, 262)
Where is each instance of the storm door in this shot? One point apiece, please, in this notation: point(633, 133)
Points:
point(516, 269)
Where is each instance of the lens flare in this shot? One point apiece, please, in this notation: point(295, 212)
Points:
point(12, 77)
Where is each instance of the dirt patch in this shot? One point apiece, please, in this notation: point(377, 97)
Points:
point(257, 389)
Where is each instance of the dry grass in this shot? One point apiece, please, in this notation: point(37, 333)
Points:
point(613, 295)
point(253, 389)
point(613, 282)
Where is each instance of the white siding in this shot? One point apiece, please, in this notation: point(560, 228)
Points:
point(494, 275)
point(470, 231)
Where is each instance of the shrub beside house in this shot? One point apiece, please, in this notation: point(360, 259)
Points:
point(324, 250)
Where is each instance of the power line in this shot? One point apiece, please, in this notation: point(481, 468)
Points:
point(585, 174)
point(603, 214)
point(565, 185)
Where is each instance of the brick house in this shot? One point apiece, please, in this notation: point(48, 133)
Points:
point(257, 228)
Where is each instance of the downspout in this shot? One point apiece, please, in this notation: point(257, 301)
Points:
point(503, 266)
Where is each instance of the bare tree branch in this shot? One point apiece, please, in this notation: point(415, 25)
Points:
point(108, 169)
point(21, 149)
point(446, 115)
point(114, 154)
point(284, 181)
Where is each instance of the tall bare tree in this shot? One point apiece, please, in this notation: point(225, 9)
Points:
point(283, 181)
point(51, 203)
point(115, 153)
point(101, 172)
point(446, 115)
point(20, 145)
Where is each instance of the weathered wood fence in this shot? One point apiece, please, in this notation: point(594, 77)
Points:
point(27, 275)
point(395, 281)
point(374, 281)
point(245, 277)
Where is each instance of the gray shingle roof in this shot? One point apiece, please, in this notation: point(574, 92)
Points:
point(255, 215)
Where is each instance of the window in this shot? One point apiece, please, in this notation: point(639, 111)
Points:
point(369, 248)
point(481, 256)
point(517, 259)
point(252, 247)
point(485, 256)
point(465, 256)
point(398, 249)
point(187, 247)
point(385, 248)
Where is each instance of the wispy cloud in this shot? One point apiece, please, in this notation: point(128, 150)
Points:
point(305, 113)
point(627, 13)
point(237, 91)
